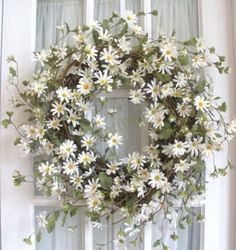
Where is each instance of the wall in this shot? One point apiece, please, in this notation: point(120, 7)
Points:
point(220, 203)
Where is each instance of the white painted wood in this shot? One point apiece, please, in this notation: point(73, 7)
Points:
point(88, 235)
point(15, 202)
point(122, 7)
point(148, 236)
point(220, 200)
point(147, 21)
point(89, 10)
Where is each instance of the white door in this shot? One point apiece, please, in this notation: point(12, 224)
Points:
point(26, 27)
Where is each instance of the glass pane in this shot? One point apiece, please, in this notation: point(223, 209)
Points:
point(104, 8)
point(68, 237)
point(189, 238)
point(126, 122)
point(53, 13)
point(133, 5)
point(178, 15)
point(104, 239)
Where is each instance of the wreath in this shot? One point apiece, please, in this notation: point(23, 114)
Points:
point(65, 101)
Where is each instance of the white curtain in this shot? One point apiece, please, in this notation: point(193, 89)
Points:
point(178, 15)
point(104, 8)
point(53, 13)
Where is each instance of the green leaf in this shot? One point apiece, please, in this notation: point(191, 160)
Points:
point(163, 77)
point(222, 107)
point(191, 42)
point(130, 203)
point(174, 236)
point(164, 247)
point(11, 59)
point(38, 236)
point(166, 134)
point(12, 71)
point(154, 12)
point(157, 243)
point(6, 123)
point(212, 50)
point(183, 60)
point(52, 221)
point(106, 181)
point(28, 240)
point(18, 179)
point(85, 125)
point(17, 141)
point(64, 220)
point(10, 113)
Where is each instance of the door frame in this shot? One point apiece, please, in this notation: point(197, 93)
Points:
point(229, 183)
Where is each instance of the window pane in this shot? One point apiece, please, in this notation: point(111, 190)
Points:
point(126, 122)
point(178, 15)
point(53, 13)
point(133, 5)
point(68, 237)
point(189, 238)
point(105, 238)
point(104, 8)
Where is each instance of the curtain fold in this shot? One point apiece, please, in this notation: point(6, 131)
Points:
point(53, 13)
point(178, 15)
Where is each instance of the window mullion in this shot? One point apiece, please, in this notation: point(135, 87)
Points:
point(89, 11)
point(147, 21)
point(122, 7)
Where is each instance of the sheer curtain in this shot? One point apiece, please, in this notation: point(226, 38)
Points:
point(178, 15)
point(52, 13)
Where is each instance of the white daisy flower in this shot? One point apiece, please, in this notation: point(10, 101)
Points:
point(136, 160)
point(109, 56)
point(201, 47)
point(85, 86)
point(91, 52)
point(194, 146)
point(76, 180)
point(70, 167)
point(54, 124)
point(124, 45)
point(42, 219)
point(182, 166)
point(86, 158)
point(73, 118)
point(99, 121)
point(114, 140)
point(103, 78)
point(154, 89)
point(37, 88)
point(104, 35)
point(180, 80)
point(165, 67)
point(88, 141)
point(184, 110)
point(201, 103)
point(64, 94)
point(91, 188)
point(112, 167)
point(58, 109)
point(136, 96)
point(67, 149)
point(47, 169)
point(179, 148)
point(207, 149)
point(157, 179)
point(130, 18)
point(169, 51)
point(42, 56)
